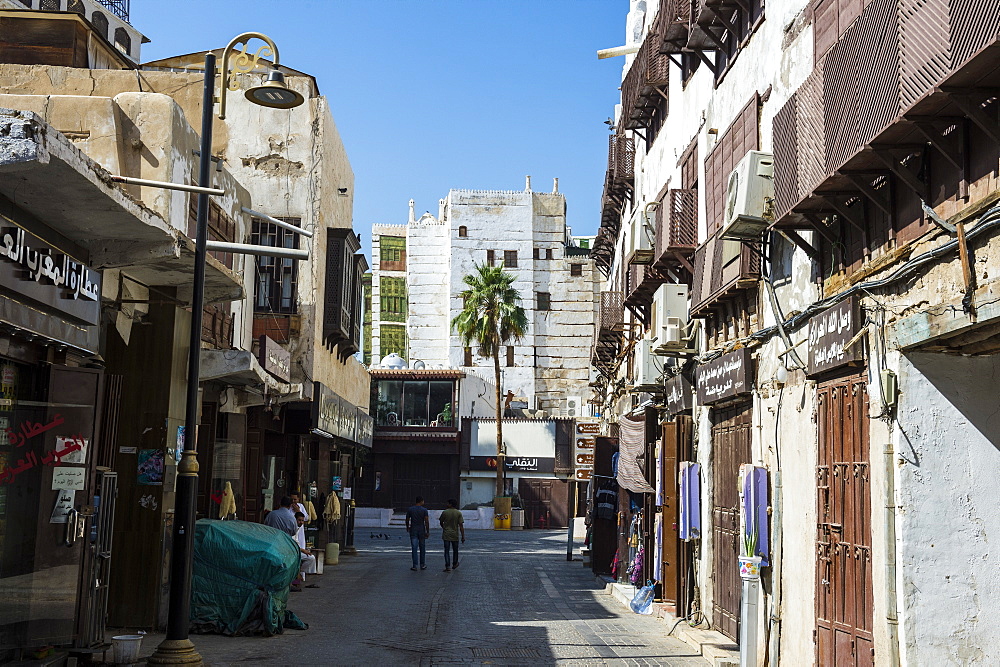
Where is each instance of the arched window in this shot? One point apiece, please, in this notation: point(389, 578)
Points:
point(463, 231)
point(123, 41)
point(49, 5)
point(100, 23)
point(76, 6)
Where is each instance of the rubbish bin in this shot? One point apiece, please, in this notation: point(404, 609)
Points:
point(517, 519)
point(501, 513)
point(125, 649)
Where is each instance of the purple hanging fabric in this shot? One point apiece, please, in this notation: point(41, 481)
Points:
point(690, 510)
point(755, 509)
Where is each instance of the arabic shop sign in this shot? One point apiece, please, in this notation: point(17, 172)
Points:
point(514, 463)
point(677, 394)
point(338, 417)
point(724, 377)
point(829, 334)
point(275, 359)
point(31, 267)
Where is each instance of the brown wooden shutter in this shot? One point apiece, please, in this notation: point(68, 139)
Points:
point(740, 137)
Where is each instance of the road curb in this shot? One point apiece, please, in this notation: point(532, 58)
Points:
point(710, 644)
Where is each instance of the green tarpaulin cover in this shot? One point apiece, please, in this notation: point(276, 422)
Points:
point(242, 572)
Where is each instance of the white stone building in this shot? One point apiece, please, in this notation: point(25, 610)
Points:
point(841, 347)
point(417, 279)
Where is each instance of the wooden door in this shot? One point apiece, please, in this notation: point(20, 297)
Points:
point(843, 542)
point(730, 449)
point(675, 554)
point(545, 502)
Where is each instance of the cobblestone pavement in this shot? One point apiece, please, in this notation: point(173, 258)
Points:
point(514, 600)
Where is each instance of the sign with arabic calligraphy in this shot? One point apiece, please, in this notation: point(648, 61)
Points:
point(275, 359)
point(677, 394)
point(514, 463)
point(31, 267)
point(829, 334)
point(69, 478)
point(724, 377)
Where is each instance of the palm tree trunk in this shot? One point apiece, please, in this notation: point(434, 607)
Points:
point(500, 449)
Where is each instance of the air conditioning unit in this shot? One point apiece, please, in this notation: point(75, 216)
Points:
point(639, 244)
point(574, 406)
point(670, 316)
point(751, 185)
point(647, 368)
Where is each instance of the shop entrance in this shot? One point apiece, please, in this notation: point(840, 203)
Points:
point(428, 476)
point(545, 502)
point(843, 542)
point(730, 449)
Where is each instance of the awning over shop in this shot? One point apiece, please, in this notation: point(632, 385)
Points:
point(43, 173)
point(240, 368)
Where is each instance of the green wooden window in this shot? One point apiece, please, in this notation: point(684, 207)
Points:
point(393, 340)
point(391, 248)
point(393, 299)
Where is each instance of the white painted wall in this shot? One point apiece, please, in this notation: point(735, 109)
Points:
point(947, 444)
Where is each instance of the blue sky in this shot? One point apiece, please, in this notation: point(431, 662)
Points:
point(430, 95)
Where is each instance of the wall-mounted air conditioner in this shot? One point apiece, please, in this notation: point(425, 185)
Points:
point(574, 406)
point(670, 315)
point(751, 185)
point(639, 248)
point(648, 367)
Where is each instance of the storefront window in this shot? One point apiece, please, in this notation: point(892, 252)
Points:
point(415, 403)
point(442, 410)
point(389, 403)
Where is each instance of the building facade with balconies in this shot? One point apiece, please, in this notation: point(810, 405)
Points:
point(284, 400)
point(827, 172)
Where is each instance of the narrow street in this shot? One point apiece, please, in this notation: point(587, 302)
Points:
point(514, 600)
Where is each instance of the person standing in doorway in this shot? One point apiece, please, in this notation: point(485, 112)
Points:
point(452, 523)
point(297, 506)
point(418, 525)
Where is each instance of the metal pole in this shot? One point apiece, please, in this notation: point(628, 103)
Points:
point(571, 511)
point(177, 648)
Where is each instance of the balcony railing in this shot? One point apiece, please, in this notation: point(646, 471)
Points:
point(902, 82)
point(644, 88)
point(672, 24)
point(676, 230)
point(721, 270)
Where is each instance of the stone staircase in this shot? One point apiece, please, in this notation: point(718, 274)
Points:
point(398, 520)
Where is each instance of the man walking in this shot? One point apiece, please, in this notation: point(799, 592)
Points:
point(418, 525)
point(452, 523)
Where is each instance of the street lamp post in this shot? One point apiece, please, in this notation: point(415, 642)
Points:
point(177, 648)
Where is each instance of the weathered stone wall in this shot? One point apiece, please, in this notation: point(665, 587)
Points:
point(292, 163)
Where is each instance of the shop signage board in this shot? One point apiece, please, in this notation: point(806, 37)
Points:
point(31, 267)
point(829, 334)
point(724, 377)
point(678, 393)
point(366, 428)
point(326, 409)
point(275, 359)
point(583, 453)
point(514, 463)
point(335, 416)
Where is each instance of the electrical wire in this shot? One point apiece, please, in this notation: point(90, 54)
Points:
point(987, 222)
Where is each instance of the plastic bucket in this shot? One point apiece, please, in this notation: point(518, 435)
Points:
point(332, 553)
point(125, 649)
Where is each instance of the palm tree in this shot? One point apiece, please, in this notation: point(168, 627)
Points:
point(491, 318)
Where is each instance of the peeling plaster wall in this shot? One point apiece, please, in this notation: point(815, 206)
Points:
point(292, 163)
point(948, 450)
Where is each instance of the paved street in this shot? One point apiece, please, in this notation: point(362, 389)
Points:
point(513, 601)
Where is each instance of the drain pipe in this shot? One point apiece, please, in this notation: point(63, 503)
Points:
point(891, 616)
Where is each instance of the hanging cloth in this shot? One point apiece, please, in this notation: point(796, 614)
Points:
point(632, 449)
point(228, 505)
point(332, 510)
point(658, 562)
point(689, 527)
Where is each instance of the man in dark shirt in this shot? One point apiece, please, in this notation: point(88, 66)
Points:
point(283, 518)
point(418, 525)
